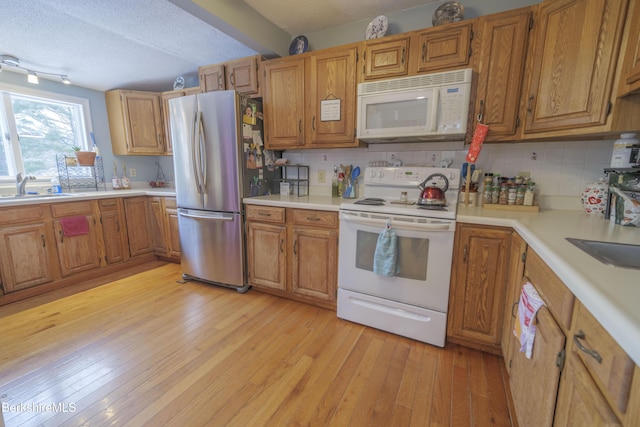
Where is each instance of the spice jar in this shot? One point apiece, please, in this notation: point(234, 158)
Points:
point(529, 194)
point(511, 196)
point(520, 196)
point(486, 196)
point(504, 195)
point(495, 195)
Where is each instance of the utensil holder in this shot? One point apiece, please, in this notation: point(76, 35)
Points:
point(350, 188)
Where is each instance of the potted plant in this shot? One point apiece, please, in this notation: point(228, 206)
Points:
point(85, 158)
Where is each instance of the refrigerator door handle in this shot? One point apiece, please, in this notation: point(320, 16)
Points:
point(202, 148)
point(195, 153)
point(208, 216)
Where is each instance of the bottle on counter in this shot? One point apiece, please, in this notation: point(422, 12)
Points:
point(56, 188)
point(125, 183)
point(334, 183)
point(116, 183)
point(529, 194)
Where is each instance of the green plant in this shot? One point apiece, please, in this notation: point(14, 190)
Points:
point(76, 148)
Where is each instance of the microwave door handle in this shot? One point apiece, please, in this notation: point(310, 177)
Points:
point(433, 116)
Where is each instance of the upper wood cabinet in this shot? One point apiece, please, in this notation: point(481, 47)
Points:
point(135, 122)
point(501, 41)
point(630, 78)
point(241, 75)
point(572, 71)
point(310, 99)
point(166, 96)
point(385, 58)
point(441, 48)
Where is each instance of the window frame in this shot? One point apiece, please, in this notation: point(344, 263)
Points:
point(14, 144)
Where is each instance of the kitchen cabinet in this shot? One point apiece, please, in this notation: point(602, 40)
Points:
point(139, 229)
point(79, 252)
point(267, 247)
point(135, 122)
point(385, 58)
point(293, 253)
point(501, 41)
point(25, 244)
point(165, 97)
point(156, 204)
point(517, 256)
point(572, 69)
point(314, 263)
point(114, 230)
point(241, 75)
point(173, 232)
point(630, 79)
point(310, 100)
point(441, 48)
point(478, 285)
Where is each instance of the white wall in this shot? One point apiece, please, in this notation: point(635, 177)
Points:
point(560, 169)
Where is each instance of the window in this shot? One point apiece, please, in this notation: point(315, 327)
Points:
point(37, 125)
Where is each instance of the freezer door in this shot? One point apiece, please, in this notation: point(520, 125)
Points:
point(182, 116)
point(218, 133)
point(212, 246)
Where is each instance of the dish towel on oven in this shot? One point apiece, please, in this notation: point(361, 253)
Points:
point(385, 257)
point(525, 328)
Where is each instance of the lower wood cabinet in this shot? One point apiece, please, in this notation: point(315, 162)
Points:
point(139, 226)
point(293, 253)
point(158, 223)
point(478, 284)
point(171, 228)
point(114, 230)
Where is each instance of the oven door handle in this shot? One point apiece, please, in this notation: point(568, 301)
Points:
point(400, 225)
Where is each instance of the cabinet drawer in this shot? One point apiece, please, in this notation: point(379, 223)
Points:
point(315, 218)
point(108, 205)
point(553, 291)
point(266, 214)
point(59, 210)
point(614, 371)
point(15, 215)
point(170, 203)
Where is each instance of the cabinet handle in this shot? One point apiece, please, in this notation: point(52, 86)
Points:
point(580, 336)
point(403, 51)
point(44, 242)
point(300, 125)
point(529, 109)
point(117, 226)
point(424, 50)
point(464, 254)
point(514, 307)
point(313, 218)
point(264, 214)
point(220, 82)
point(281, 246)
point(295, 247)
point(313, 123)
point(61, 236)
point(481, 113)
point(232, 79)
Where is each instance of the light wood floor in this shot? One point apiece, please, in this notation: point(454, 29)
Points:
point(146, 350)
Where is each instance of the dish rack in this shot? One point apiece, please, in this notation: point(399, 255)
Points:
point(74, 177)
point(297, 176)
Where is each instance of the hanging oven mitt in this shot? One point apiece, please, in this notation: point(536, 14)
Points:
point(386, 255)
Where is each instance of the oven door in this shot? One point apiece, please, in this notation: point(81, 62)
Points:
point(425, 251)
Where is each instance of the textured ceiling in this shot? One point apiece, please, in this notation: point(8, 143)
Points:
point(146, 44)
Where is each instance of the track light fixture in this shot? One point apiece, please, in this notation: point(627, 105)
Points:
point(32, 75)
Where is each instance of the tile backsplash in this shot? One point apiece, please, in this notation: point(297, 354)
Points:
point(560, 170)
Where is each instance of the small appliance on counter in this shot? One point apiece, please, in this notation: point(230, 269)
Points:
point(623, 199)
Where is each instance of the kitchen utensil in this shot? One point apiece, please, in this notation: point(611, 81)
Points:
point(432, 194)
point(350, 192)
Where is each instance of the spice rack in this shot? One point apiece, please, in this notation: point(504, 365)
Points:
point(74, 177)
point(297, 176)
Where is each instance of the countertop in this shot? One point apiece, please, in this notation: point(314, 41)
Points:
point(89, 195)
point(611, 294)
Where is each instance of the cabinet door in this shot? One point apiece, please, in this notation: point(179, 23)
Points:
point(580, 403)
point(478, 286)
point(25, 258)
point(284, 107)
point(503, 41)
point(385, 59)
point(331, 96)
point(166, 96)
point(139, 229)
point(573, 63)
point(212, 77)
point(242, 75)
point(442, 48)
point(143, 121)
point(77, 253)
point(113, 236)
point(266, 255)
point(173, 236)
point(517, 255)
point(314, 262)
point(158, 226)
point(630, 81)
point(534, 382)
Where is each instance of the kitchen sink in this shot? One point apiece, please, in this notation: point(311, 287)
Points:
point(617, 254)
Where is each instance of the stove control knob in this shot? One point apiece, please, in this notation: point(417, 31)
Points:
point(381, 174)
point(373, 174)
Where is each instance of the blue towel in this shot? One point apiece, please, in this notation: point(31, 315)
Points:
point(386, 255)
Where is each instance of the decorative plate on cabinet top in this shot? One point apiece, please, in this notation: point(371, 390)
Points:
point(377, 28)
point(299, 45)
point(451, 11)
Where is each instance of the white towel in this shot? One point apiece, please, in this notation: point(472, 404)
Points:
point(386, 255)
point(524, 328)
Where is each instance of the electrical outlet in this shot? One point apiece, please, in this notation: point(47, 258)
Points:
point(322, 176)
point(132, 172)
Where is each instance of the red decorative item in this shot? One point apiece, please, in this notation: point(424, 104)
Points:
point(476, 142)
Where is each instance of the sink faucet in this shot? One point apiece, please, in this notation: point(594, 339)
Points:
point(21, 183)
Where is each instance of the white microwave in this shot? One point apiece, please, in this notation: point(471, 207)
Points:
point(430, 107)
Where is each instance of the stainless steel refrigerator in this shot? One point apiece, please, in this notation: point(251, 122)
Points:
point(218, 159)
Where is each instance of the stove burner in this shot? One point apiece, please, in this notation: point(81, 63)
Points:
point(370, 201)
